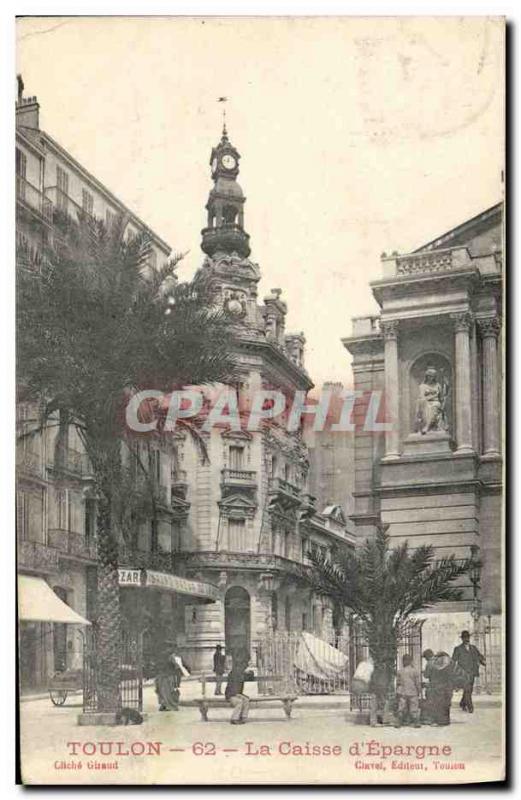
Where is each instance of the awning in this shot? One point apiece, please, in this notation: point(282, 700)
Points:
point(38, 603)
point(150, 579)
point(174, 583)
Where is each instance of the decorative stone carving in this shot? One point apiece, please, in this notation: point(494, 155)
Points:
point(390, 329)
point(431, 402)
point(491, 326)
point(462, 322)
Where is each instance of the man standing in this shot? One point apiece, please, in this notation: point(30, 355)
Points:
point(234, 693)
point(408, 692)
point(219, 664)
point(468, 657)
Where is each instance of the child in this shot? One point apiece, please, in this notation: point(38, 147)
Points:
point(408, 690)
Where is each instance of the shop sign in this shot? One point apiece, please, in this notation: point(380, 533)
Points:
point(129, 577)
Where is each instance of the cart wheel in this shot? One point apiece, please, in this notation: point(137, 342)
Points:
point(58, 696)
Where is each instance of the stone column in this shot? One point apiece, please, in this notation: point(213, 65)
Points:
point(489, 329)
point(462, 323)
point(392, 399)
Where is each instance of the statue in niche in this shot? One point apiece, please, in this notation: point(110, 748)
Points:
point(431, 415)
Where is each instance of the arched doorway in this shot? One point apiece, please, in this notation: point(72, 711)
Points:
point(237, 620)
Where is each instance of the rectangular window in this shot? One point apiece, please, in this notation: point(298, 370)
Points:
point(87, 202)
point(237, 535)
point(305, 549)
point(154, 465)
point(62, 189)
point(176, 536)
point(109, 218)
point(236, 457)
point(90, 519)
point(21, 163)
point(287, 544)
point(21, 172)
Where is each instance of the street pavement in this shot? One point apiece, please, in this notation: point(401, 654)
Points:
point(321, 743)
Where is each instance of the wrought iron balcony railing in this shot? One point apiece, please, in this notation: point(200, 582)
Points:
point(72, 544)
point(31, 197)
point(146, 559)
point(37, 557)
point(72, 461)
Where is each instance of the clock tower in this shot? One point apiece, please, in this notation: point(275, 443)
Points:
point(225, 227)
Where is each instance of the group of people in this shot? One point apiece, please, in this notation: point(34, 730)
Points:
point(442, 675)
point(171, 671)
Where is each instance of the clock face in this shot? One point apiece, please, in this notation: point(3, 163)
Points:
point(228, 161)
point(214, 164)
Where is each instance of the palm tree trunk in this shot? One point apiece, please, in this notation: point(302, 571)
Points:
point(108, 628)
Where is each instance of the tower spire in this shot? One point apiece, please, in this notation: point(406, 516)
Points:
point(225, 232)
point(225, 132)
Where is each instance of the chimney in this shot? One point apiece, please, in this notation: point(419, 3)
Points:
point(27, 108)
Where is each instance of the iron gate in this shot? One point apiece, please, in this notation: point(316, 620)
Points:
point(409, 641)
point(130, 649)
point(487, 636)
point(277, 655)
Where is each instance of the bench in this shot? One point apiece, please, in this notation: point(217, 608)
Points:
point(205, 703)
point(260, 679)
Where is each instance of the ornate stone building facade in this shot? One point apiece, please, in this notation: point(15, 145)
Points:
point(250, 519)
point(435, 350)
point(56, 508)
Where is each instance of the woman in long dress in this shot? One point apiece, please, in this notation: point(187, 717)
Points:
point(168, 681)
point(438, 694)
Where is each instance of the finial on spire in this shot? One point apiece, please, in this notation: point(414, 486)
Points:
point(224, 100)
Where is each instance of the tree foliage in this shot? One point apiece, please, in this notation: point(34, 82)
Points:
point(384, 587)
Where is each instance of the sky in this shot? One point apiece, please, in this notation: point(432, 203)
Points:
point(357, 136)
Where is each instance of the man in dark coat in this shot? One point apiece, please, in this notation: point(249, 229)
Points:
point(234, 690)
point(468, 657)
point(219, 665)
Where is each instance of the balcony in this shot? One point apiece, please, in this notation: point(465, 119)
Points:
point(228, 238)
point(37, 557)
point(221, 559)
point(71, 461)
point(239, 478)
point(30, 197)
point(179, 484)
point(74, 545)
point(284, 493)
point(146, 559)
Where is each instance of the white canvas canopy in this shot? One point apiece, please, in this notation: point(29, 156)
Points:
point(38, 603)
point(318, 658)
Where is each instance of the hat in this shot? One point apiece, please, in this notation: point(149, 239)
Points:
point(465, 635)
point(428, 654)
point(218, 647)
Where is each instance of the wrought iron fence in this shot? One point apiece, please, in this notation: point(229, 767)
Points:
point(409, 642)
point(487, 637)
point(278, 655)
point(130, 651)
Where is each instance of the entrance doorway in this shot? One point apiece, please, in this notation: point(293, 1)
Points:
point(237, 626)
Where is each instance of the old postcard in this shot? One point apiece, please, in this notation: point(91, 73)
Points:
point(259, 268)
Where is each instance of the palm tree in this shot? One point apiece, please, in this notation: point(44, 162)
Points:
point(384, 587)
point(95, 323)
